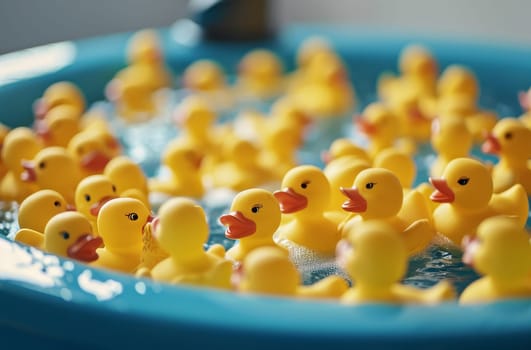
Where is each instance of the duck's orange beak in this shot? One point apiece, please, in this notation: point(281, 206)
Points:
point(442, 193)
point(491, 145)
point(326, 157)
point(29, 174)
point(416, 115)
point(525, 100)
point(355, 203)
point(365, 126)
point(42, 130)
point(95, 161)
point(40, 108)
point(290, 201)
point(84, 249)
point(95, 208)
point(238, 225)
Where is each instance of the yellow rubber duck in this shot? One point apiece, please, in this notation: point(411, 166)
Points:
point(511, 141)
point(67, 234)
point(59, 94)
point(418, 75)
point(53, 168)
point(465, 191)
point(344, 147)
point(182, 231)
point(380, 125)
point(376, 259)
point(91, 194)
point(92, 151)
point(378, 194)
point(325, 90)
point(195, 117)
point(128, 177)
point(19, 144)
point(184, 163)
point(242, 168)
point(4, 130)
point(279, 149)
point(451, 139)
point(120, 224)
point(59, 126)
point(268, 270)
point(207, 78)
point(38, 208)
point(305, 196)
point(458, 80)
point(253, 219)
point(501, 252)
point(260, 75)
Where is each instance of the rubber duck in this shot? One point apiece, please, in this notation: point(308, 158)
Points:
point(184, 163)
point(242, 168)
point(67, 234)
point(253, 219)
point(325, 90)
point(418, 75)
point(4, 130)
point(376, 259)
point(378, 194)
point(279, 149)
point(120, 225)
point(344, 147)
point(59, 94)
point(47, 170)
point(182, 231)
point(38, 208)
point(128, 177)
point(91, 194)
point(59, 126)
point(207, 78)
point(92, 151)
point(465, 192)
point(511, 141)
point(19, 144)
point(341, 172)
point(195, 117)
point(305, 196)
point(260, 75)
point(451, 139)
point(380, 126)
point(501, 252)
point(268, 270)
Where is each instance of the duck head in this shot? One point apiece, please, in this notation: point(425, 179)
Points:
point(376, 193)
point(305, 190)
point(510, 138)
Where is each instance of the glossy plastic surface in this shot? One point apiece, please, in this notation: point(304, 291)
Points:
point(47, 302)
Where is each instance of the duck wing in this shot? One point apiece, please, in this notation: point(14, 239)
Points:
point(414, 207)
point(418, 236)
point(512, 202)
point(30, 237)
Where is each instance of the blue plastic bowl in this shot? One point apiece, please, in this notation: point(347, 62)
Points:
point(48, 302)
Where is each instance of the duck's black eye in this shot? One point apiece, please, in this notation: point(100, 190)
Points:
point(508, 135)
point(87, 197)
point(114, 188)
point(132, 216)
point(305, 184)
point(463, 181)
point(369, 185)
point(256, 208)
point(65, 235)
point(42, 165)
point(57, 203)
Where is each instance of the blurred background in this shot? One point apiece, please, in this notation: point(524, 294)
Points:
point(27, 23)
